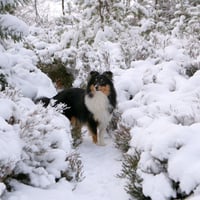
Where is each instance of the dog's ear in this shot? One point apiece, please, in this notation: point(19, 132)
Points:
point(108, 74)
point(94, 73)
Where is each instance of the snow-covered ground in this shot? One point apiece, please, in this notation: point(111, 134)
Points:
point(101, 165)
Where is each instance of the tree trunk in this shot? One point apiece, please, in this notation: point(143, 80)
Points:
point(63, 7)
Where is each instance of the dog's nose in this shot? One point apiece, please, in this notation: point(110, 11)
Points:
point(96, 87)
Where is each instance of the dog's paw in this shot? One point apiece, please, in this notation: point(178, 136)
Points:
point(101, 143)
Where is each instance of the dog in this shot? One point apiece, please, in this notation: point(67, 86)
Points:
point(92, 106)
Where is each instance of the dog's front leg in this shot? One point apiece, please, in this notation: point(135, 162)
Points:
point(101, 132)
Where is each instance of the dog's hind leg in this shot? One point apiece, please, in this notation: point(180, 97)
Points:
point(76, 131)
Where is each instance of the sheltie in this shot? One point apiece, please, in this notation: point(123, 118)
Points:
point(92, 106)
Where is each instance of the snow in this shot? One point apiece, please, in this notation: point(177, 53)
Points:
point(157, 100)
point(8, 109)
point(24, 75)
point(101, 166)
point(2, 188)
point(164, 114)
point(152, 187)
point(9, 138)
point(13, 24)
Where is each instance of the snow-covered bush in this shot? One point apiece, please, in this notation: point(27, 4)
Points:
point(21, 73)
point(10, 146)
point(57, 72)
point(122, 137)
point(129, 171)
point(3, 82)
point(75, 168)
point(162, 108)
point(46, 144)
point(168, 158)
point(35, 142)
point(11, 26)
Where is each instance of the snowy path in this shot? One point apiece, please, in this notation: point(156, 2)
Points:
point(101, 165)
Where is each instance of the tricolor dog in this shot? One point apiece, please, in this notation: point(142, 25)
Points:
point(92, 106)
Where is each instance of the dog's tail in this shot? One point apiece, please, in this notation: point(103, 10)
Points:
point(44, 100)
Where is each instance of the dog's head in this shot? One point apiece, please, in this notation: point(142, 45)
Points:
point(100, 82)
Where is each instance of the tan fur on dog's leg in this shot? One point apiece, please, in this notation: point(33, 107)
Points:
point(94, 138)
point(76, 131)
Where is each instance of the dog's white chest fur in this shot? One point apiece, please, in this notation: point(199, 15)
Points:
point(98, 105)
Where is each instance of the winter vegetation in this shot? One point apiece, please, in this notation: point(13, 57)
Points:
point(153, 50)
